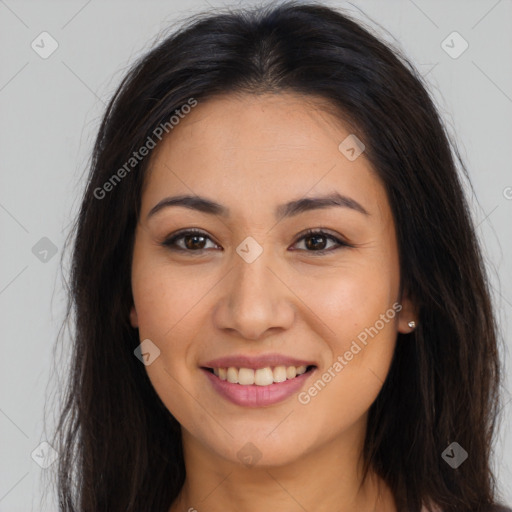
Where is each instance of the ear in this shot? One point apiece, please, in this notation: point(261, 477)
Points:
point(134, 321)
point(407, 314)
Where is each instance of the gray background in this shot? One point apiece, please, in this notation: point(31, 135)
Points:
point(50, 111)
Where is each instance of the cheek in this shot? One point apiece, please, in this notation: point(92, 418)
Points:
point(162, 317)
point(165, 311)
point(359, 317)
point(164, 301)
point(349, 299)
point(341, 394)
point(166, 298)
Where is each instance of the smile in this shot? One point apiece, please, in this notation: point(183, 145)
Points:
point(261, 376)
point(258, 387)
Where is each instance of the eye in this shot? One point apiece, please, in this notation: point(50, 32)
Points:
point(196, 240)
point(318, 238)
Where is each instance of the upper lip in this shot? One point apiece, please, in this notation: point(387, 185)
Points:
point(255, 362)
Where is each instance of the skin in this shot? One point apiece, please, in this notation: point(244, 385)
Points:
point(252, 153)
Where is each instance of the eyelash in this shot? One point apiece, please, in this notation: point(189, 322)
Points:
point(170, 244)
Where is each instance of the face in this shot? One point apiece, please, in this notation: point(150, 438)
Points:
point(253, 285)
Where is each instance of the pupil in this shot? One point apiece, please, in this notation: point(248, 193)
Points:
point(315, 237)
point(192, 245)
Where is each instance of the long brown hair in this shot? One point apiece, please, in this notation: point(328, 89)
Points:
point(120, 448)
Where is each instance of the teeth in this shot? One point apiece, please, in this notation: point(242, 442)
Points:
point(291, 372)
point(301, 370)
point(232, 375)
point(279, 373)
point(245, 376)
point(261, 376)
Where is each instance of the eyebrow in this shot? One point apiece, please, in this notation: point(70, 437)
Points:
point(289, 209)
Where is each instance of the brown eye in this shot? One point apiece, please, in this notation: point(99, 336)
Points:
point(193, 241)
point(316, 241)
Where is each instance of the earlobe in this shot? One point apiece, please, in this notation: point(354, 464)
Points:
point(408, 316)
point(134, 321)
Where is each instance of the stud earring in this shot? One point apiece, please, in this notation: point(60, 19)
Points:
point(412, 324)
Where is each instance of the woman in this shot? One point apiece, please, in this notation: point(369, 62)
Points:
point(279, 296)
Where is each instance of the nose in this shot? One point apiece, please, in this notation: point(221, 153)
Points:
point(255, 300)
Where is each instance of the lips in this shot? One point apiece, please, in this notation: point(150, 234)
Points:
point(263, 392)
point(258, 396)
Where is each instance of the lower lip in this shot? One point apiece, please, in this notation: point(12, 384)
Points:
point(257, 396)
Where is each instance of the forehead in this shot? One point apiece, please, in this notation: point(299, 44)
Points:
point(258, 148)
point(287, 124)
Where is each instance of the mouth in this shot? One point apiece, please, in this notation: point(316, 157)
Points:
point(259, 376)
point(258, 387)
